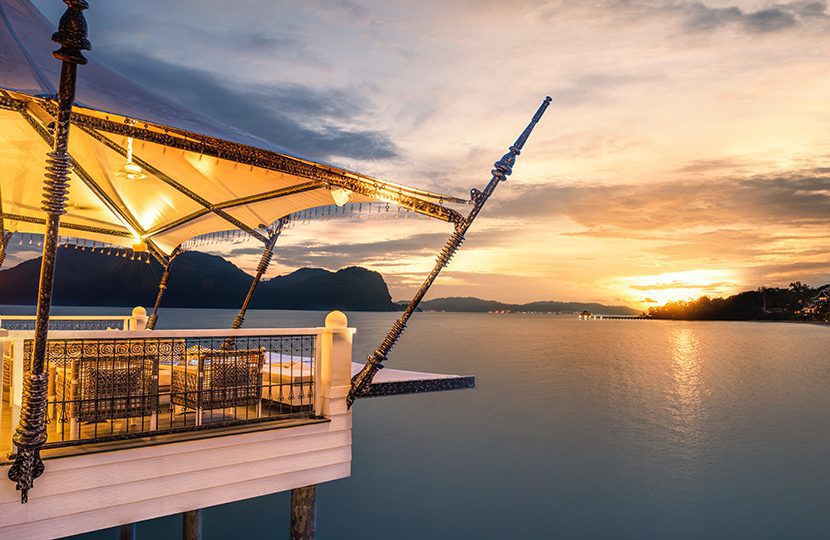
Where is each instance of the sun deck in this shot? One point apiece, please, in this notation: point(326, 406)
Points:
point(157, 422)
point(203, 417)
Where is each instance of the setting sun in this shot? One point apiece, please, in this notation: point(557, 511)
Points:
point(657, 290)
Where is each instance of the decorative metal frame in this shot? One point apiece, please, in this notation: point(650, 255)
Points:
point(30, 434)
point(246, 155)
point(175, 184)
point(283, 192)
point(5, 237)
point(70, 226)
point(118, 208)
point(272, 235)
point(318, 176)
point(262, 267)
point(503, 168)
point(165, 277)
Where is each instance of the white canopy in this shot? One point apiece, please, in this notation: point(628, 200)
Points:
point(146, 168)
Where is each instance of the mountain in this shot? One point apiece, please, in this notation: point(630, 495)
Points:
point(470, 304)
point(352, 288)
point(196, 280)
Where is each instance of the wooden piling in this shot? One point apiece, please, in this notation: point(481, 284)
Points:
point(304, 513)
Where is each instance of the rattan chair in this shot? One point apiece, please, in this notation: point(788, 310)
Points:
point(218, 379)
point(101, 389)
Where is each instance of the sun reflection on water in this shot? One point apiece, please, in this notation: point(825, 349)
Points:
point(687, 393)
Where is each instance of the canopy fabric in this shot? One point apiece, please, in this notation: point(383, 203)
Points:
point(195, 175)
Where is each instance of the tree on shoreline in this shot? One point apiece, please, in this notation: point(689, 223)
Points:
point(765, 303)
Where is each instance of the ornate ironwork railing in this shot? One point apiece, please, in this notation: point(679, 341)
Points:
point(104, 388)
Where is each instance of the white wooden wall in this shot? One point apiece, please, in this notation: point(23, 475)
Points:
point(95, 491)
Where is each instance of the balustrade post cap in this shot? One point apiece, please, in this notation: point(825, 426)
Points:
point(139, 311)
point(336, 319)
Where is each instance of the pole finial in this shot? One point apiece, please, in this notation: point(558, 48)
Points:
point(72, 33)
point(504, 166)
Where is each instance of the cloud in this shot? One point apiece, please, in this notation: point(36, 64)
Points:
point(592, 88)
point(681, 285)
point(698, 17)
point(379, 253)
point(703, 18)
point(768, 228)
point(798, 198)
point(718, 164)
point(775, 18)
point(737, 246)
point(339, 8)
point(815, 273)
point(295, 116)
point(337, 255)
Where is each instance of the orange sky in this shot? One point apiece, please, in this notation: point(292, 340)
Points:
point(686, 151)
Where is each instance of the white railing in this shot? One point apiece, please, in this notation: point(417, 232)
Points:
point(136, 321)
point(73, 322)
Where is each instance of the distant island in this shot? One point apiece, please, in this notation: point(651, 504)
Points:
point(477, 305)
point(200, 280)
point(798, 302)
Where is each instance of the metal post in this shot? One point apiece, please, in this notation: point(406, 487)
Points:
point(304, 513)
point(192, 525)
point(165, 277)
point(503, 169)
point(261, 268)
point(31, 430)
point(5, 237)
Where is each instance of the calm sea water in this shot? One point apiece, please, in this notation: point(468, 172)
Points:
point(577, 429)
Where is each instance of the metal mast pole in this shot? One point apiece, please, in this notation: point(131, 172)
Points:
point(165, 277)
point(5, 237)
point(31, 431)
point(261, 268)
point(503, 169)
